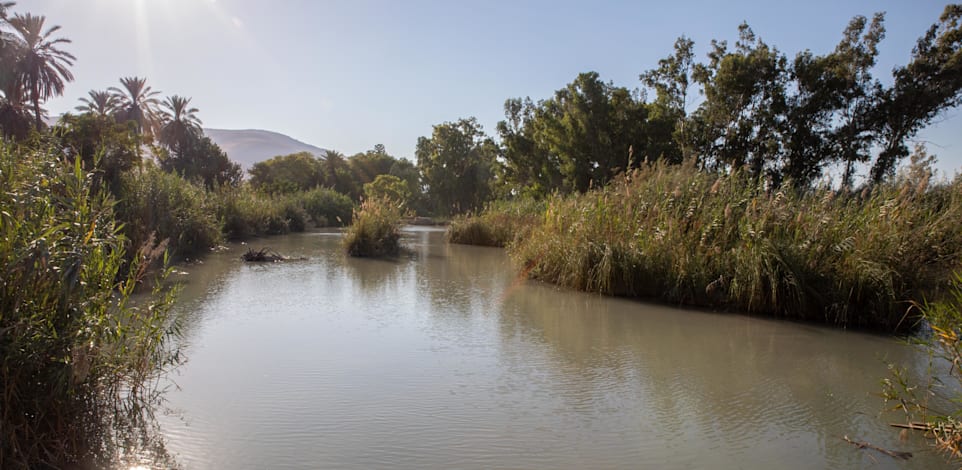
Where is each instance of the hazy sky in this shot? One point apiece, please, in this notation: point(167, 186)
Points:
point(347, 75)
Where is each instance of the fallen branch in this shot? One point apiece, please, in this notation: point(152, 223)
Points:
point(895, 454)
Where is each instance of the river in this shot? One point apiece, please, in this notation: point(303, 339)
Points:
point(443, 358)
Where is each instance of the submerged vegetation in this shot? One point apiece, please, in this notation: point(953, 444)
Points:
point(76, 353)
point(376, 229)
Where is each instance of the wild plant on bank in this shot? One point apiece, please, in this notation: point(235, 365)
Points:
point(376, 229)
point(77, 357)
point(729, 241)
point(933, 405)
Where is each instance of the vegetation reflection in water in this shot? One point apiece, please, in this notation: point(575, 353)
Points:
point(443, 358)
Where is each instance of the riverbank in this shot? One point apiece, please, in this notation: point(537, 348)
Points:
point(681, 235)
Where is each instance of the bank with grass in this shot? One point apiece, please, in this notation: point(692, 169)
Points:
point(732, 242)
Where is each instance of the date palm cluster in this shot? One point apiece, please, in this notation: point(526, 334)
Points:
point(34, 67)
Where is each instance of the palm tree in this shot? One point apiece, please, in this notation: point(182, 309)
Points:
point(100, 103)
point(138, 103)
point(42, 68)
point(181, 124)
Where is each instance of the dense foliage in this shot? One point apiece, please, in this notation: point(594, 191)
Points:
point(77, 355)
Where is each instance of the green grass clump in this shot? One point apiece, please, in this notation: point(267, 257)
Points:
point(500, 224)
point(692, 237)
point(376, 229)
point(78, 360)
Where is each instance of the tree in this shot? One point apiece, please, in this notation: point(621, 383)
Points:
point(529, 169)
point(368, 165)
point(338, 174)
point(388, 187)
point(181, 125)
point(739, 121)
point(668, 118)
point(923, 89)
point(828, 117)
point(139, 103)
point(202, 160)
point(100, 103)
point(287, 173)
point(456, 165)
point(41, 68)
point(592, 130)
point(105, 147)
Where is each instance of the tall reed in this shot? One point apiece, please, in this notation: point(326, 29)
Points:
point(77, 356)
point(728, 241)
point(500, 224)
point(376, 229)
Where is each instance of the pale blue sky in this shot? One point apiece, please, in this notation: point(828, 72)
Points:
point(350, 74)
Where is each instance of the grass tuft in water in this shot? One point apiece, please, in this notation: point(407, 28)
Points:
point(376, 229)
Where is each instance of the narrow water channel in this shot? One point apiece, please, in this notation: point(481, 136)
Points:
point(444, 359)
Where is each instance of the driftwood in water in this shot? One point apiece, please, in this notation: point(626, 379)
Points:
point(895, 454)
point(265, 255)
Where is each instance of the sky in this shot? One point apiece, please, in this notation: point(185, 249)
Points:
point(347, 75)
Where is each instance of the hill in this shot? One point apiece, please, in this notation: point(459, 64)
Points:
point(249, 146)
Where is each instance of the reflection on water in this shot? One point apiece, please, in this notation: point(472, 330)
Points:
point(443, 359)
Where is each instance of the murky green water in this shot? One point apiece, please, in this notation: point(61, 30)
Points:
point(443, 359)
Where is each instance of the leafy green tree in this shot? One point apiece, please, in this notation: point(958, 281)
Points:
point(457, 165)
point(388, 187)
point(287, 173)
point(139, 103)
point(593, 129)
point(923, 89)
point(202, 160)
point(669, 136)
point(738, 123)
point(829, 116)
point(105, 148)
point(100, 103)
point(339, 175)
point(368, 165)
point(41, 67)
point(407, 172)
point(528, 168)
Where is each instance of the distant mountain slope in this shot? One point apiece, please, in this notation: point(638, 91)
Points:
point(249, 146)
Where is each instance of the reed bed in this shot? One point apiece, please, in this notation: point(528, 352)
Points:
point(500, 224)
point(77, 357)
point(675, 233)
